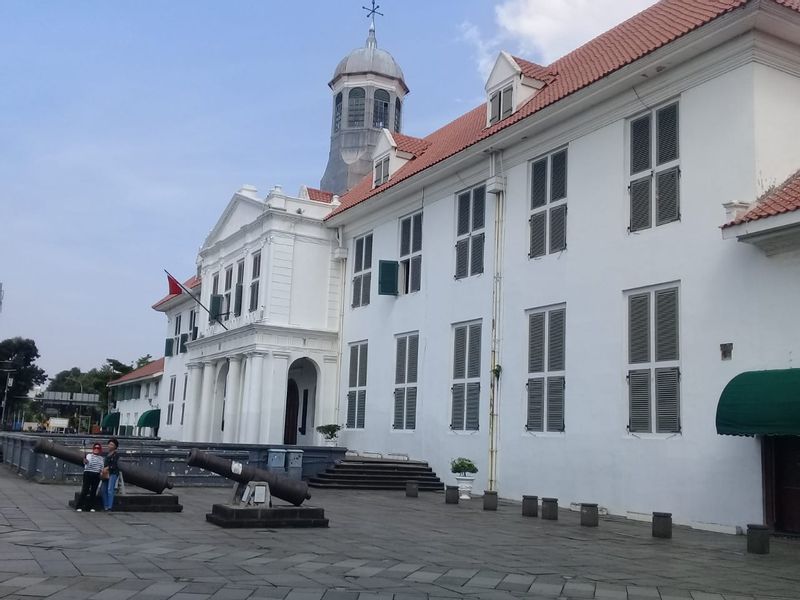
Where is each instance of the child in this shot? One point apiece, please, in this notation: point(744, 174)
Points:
point(92, 466)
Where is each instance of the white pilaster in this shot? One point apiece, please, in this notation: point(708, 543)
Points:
point(203, 433)
point(275, 405)
point(192, 410)
point(232, 400)
point(255, 364)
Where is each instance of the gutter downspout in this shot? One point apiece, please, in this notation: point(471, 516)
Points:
point(498, 189)
point(342, 257)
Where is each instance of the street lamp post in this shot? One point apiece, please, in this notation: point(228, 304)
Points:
point(9, 383)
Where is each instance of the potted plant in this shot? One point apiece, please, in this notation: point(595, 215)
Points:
point(463, 468)
point(330, 433)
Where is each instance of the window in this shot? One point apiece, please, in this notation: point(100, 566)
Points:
point(381, 171)
point(183, 400)
point(380, 112)
point(653, 360)
point(654, 136)
point(548, 220)
point(411, 253)
point(238, 291)
point(397, 114)
point(357, 386)
point(216, 301)
point(254, 282)
point(546, 369)
point(355, 107)
point(405, 381)
point(171, 402)
point(501, 104)
point(337, 113)
point(193, 324)
point(466, 388)
point(215, 284)
point(228, 285)
point(362, 270)
point(471, 222)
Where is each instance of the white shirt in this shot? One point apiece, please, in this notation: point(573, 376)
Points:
point(94, 463)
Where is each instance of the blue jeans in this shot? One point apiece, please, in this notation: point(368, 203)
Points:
point(107, 491)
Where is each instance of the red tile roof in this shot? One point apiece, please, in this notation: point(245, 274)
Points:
point(629, 41)
point(412, 145)
point(151, 368)
point(190, 283)
point(534, 71)
point(319, 195)
point(783, 199)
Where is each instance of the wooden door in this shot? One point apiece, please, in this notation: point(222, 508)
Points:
point(292, 408)
point(787, 484)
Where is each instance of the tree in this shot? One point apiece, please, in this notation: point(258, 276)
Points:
point(19, 355)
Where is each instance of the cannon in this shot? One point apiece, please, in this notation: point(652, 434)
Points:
point(143, 478)
point(290, 490)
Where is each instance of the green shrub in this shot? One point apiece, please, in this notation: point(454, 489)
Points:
point(329, 432)
point(463, 466)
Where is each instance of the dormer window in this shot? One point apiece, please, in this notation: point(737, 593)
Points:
point(501, 104)
point(381, 170)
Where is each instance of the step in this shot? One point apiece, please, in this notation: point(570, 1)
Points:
point(380, 473)
point(379, 468)
point(389, 477)
point(423, 487)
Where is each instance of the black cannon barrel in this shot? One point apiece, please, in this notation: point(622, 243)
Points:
point(143, 478)
point(281, 487)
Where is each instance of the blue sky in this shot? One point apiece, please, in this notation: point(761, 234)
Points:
point(125, 128)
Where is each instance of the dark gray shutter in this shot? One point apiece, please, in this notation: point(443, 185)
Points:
point(538, 224)
point(216, 307)
point(536, 343)
point(668, 400)
point(399, 407)
point(463, 213)
point(411, 408)
point(473, 406)
point(640, 144)
point(558, 176)
point(667, 196)
point(666, 324)
point(459, 352)
point(168, 346)
point(639, 328)
point(351, 409)
point(387, 277)
point(368, 251)
point(462, 258)
point(639, 399)
point(478, 208)
point(357, 290)
point(457, 416)
point(184, 339)
point(416, 238)
point(361, 408)
point(556, 332)
point(640, 204)
point(476, 257)
point(405, 236)
point(416, 274)
point(413, 356)
point(667, 134)
point(362, 365)
point(366, 284)
point(555, 404)
point(358, 262)
point(474, 358)
point(237, 300)
point(353, 378)
point(377, 178)
point(535, 420)
point(507, 105)
point(400, 360)
point(558, 228)
point(539, 183)
point(494, 107)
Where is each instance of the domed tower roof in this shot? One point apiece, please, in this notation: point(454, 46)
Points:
point(369, 59)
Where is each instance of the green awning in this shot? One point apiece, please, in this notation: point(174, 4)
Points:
point(150, 418)
point(761, 403)
point(110, 421)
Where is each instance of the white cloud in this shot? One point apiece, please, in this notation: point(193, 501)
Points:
point(485, 49)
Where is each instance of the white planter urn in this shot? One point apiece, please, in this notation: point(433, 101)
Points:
point(331, 443)
point(464, 486)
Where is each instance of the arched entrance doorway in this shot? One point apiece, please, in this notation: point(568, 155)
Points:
point(301, 392)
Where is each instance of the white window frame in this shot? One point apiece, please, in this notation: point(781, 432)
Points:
point(362, 273)
point(227, 306)
point(171, 399)
point(501, 92)
point(472, 234)
point(183, 399)
point(406, 380)
point(412, 253)
point(551, 203)
point(255, 280)
point(357, 385)
point(548, 373)
point(469, 377)
point(176, 344)
point(380, 170)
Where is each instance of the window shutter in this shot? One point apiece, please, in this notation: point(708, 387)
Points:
point(368, 251)
point(639, 328)
point(535, 420)
point(538, 223)
point(358, 263)
point(555, 339)
point(507, 97)
point(667, 196)
point(539, 183)
point(168, 346)
point(558, 176)
point(254, 295)
point(667, 134)
point(457, 417)
point(362, 365)
point(353, 378)
point(472, 420)
point(351, 409)
point(237, 301)
point(405, 237)
point(194, 333)
point(668, 400)
point(459, 353)
point(640, 204)
point(478, 208)
point(387, 277)
point(462, 258)
point(463, 213)
point(494, 107)
point(416, 273)
point(399, 397)
point(536, 343)
point(362, 406)
point(413, 356)
point(416, 238)
point(400, 360)
point(411, 408)
point(357, 290)
point(555, 404)
point(639, 396)
point(216, 307)
point(640, 144)
point(376, 180)
point(558, 228)
point(366, 284)
point(474, 357)
point(476, 258)
point(666, 324)
point(184, 339)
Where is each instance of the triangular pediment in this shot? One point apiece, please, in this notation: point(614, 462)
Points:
point(241, 211)
point(504, 69)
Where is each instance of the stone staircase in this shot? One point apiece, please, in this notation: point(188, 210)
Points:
point(377, 474)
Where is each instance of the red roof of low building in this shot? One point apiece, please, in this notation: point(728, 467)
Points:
point(412, 145)
point(783, 199)
point(150, 369)
point(190, 283)
point(319, 195)
point(629, 41)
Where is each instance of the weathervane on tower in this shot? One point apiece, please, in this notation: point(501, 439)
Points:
point(371, 12)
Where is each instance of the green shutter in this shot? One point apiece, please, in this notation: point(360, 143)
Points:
point(399, 408)
point(457, 416)
point(640, 144)
point(400, 360)
point(411, 408)
point(667, 133)
point(237, 300)
point(184, 339)
point(476, 257)
point(639, 399)
point(387, 277)
point(216, 307)
point(351, 410)
point(474, 344)
point(462, 258)
point(413, 356)
point(460, 352)
point(538, 235)
point(535, 421)
point(473, 402)
point(168, 346)
point(555, 404)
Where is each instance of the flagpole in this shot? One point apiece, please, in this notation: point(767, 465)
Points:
point(193, 297)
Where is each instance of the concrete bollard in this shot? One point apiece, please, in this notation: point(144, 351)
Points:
point(530, 506)
point(589, 516)
point(489, 500)
point(550, 509)
point(412, 489)
point(451, 494)
point(662, 525)
point(757, 539)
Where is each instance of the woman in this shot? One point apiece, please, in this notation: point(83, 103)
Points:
point(92, 466)
point(110, 474)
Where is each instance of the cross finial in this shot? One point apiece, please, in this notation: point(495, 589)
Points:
point(371, 12)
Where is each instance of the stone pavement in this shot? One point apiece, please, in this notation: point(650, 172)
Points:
point(380, 546)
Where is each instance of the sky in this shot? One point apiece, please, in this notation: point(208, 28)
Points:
point(125, 128)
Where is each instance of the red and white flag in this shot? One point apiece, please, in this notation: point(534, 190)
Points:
point(174, 286)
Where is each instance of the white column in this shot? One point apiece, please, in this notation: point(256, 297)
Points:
point(327, 406)
point(275, 404)
point(217, 401)
point(206, 398)
point(247, 370)
point(190, 416)
point(232, 400)
point(251, 411)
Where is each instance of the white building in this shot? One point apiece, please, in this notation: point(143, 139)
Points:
point(136, 401)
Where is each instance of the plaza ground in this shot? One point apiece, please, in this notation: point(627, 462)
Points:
point(380, 546)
